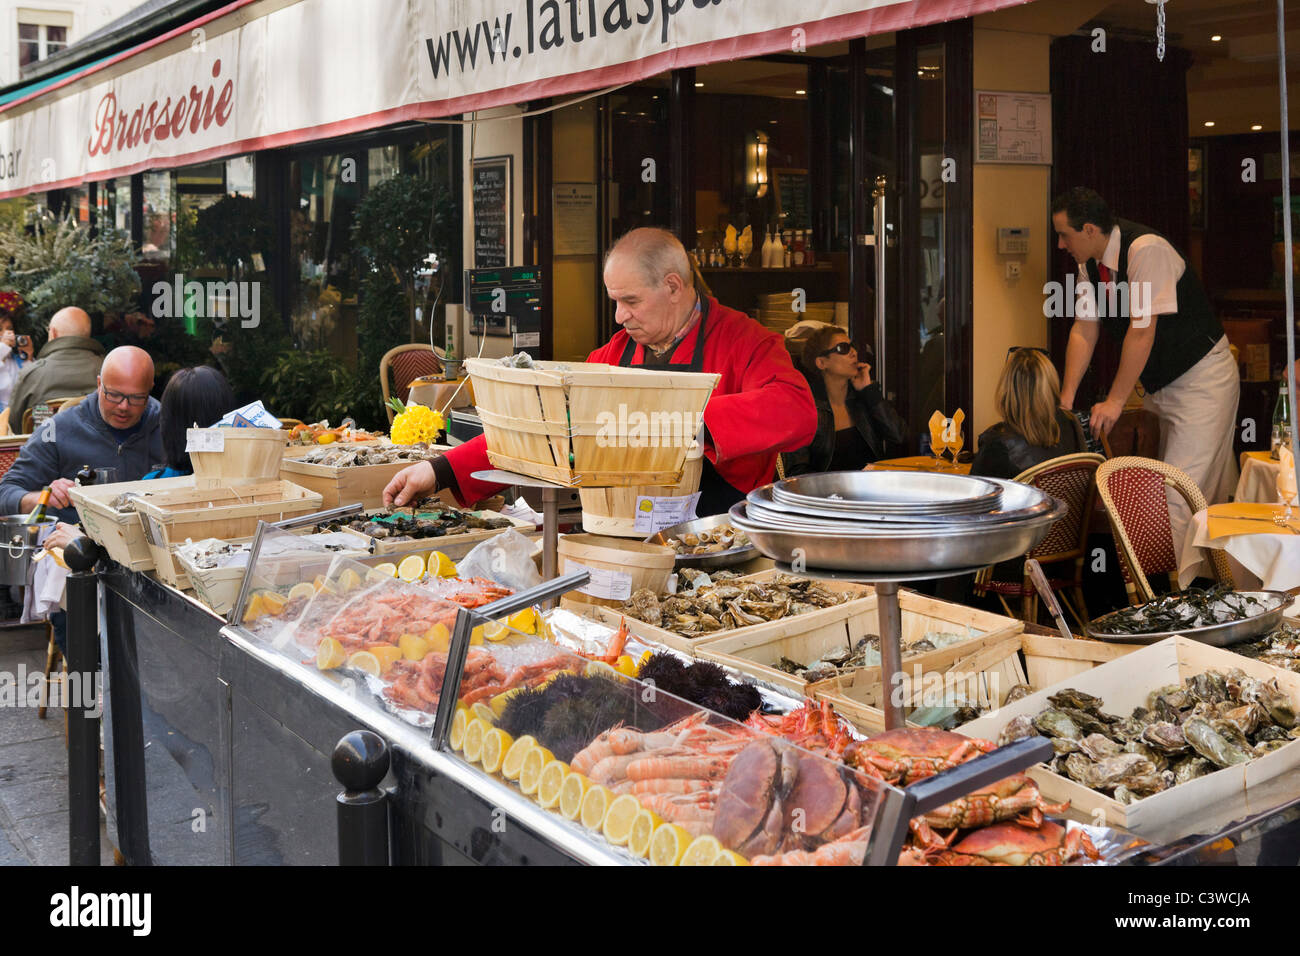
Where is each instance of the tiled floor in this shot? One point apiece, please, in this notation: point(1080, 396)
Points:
point(33, 767)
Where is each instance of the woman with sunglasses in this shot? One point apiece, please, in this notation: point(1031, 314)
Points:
point(855, 425)
point(1034, 428)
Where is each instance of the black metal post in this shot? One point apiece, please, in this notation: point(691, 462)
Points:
point(360, 763)
point(83, 728)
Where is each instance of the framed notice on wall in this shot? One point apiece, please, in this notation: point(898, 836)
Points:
point(574, 215)
point(793, 195)
point(1013, 128)
point(492, 183)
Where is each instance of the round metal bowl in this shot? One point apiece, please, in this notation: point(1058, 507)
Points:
point(1216, 635)
point(1018, 501)
point(879, 492)
point(903, 550)
point(718, 559)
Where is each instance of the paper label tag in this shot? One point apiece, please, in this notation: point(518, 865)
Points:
point(654, 513)
point(607, 584)
point(528, 340)
point(204, 439)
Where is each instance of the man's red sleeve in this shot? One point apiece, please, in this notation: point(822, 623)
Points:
point(770, 410)
point(464, 461)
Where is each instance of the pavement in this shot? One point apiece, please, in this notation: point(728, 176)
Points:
point(33, 766)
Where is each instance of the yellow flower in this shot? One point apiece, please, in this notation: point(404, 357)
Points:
point(416, 423)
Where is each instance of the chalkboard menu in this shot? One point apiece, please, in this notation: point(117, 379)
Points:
point(491, 182)
point(793, 198)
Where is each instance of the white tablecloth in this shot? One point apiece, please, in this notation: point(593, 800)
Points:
point(1258, 481)
point(1271, 561)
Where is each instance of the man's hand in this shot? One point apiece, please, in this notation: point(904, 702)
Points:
point(8, 338)
point(863, 378)
point(58, 495)
point(62, 536)
point(410, 484)
point(1104, 416)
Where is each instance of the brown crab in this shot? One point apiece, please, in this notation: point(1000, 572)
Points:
point(906, 755)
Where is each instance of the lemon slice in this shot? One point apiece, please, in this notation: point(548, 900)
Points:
point(702, 851)
point(496, 744)
point(254, 609)
point(514, 760)
point(411, 568)
point(441, 566)
point(619, 818)
point(330, 654)
point(347, 581)
point(643, 829)
point(365, 661)
point(320, 584)
point(626, 666)
point(386, 654)
point(475, 731)
point(531, 771)
point(439, 638)
point(413, 647)
point(388, 569)
point(550, 783)
point(458, 725)
point(484, 713)
point(668, 844)
point(303, 589)
point(594, 806)
point(525, 620)
point(571, 793)
point(730, 858)
point(496, 631)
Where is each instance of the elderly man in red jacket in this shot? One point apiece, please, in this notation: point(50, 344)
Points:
point(762, 406)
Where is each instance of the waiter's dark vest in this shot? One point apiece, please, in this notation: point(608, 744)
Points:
point(1183, 338)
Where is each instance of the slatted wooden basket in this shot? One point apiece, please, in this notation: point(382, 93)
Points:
point(589, 425)
point(613, 510)
point(248, 456)
point(120, 533)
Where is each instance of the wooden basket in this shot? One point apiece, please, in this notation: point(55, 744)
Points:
point(344, 485)
point(225, 512)
point(983, 670)
point(619, 567)
point(613, 510)
point(218, 588)
point(828, 624)
point(247, 456)
point(589, 425)
point(1050, 660)
point(121, 533)
point(755, 650)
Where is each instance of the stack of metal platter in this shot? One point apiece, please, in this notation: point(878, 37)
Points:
point(895, 522)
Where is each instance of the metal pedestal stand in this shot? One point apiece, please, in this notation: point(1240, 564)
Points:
point(891, 621)
point(550, 510)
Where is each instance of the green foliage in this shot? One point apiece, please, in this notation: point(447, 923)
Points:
point(308, 385)
point(230, 231)
point(245, 355)
point(61, 264)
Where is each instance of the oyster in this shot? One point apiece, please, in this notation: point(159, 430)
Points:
point(1078, 768)
point(1075, 698)
point(1109, 773)
point(1164, 737)
point(1209, 687)
point(1055, 723)
point(1017, 728)
point(1087, 721)
point(1191, 768)
point(1175, 695)
point(1098, 746)
point(1267, 747)
point(1246, 719)
point(1212, 745)
point(1124, 795)
point(1017, 692)
point(1066, 745)
point(1270, 696)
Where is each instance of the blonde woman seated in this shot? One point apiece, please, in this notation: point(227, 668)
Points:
point(1034, 428)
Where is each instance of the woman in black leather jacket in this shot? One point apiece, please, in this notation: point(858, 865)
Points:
point(855, 425)
point(1034, 428)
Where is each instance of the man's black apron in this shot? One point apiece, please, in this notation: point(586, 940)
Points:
point(717, 495)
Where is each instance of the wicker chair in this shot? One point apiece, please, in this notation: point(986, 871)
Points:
point(408, 363)
point(1133, 492)
point(56, 405)
point(1071, 479)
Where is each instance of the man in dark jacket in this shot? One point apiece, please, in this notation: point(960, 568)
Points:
point(67, 365)
point(116, 426)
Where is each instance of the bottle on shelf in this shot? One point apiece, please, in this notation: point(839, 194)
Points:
point(765, 255)
point(37, 514)
point(809, 259)
point(787, 258)
point(797, 256)
point(1281, 420)
point(778, 250)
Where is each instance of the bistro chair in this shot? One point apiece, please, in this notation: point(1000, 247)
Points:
point(1133, 492)
point(1072, 479)
point(408, 363)
point(56, 405)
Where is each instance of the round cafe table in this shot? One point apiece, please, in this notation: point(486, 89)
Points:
point(1270, 561)
point(436, 393)
point(920, 463)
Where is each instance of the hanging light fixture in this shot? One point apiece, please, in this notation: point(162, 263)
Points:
point(756, 163)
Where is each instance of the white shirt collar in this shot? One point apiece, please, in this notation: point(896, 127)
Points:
point(1110, 258)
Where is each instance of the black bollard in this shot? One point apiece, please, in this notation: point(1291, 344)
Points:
point(360, 763)
point(83, 729)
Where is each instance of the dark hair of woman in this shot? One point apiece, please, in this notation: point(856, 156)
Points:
point(193, 396)
point(816, 345)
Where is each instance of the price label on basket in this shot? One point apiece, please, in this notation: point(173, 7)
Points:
point(204, 439)
point(655, 513)
point(605, 583)
point(153, 530)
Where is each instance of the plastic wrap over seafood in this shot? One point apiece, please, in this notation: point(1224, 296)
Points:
point(726, 602)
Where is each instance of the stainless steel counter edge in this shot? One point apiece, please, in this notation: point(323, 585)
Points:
point(417, 744)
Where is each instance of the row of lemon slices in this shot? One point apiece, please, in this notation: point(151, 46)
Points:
point(620, 819)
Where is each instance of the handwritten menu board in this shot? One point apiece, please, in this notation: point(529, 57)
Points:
point(491, 183)
point(793, 198)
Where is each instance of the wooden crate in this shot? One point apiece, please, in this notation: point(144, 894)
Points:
point(247, 455)
point(1125, 683)
point(1050, 660)
point(228, 513)
point(612, 510)
point(585, 424)
point(828, 620)
point(453, 546)
point(121, 533)
point(755, 650)
point(339, 486)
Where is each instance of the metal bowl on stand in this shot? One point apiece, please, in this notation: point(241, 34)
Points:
point(714, 559)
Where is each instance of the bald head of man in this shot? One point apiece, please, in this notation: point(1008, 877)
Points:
point(648, 275)
point(70, 321)
point(125, 380)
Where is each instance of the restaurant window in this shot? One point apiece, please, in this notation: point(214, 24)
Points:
point(325, 191)
point(36, 41)
point(159, 217)
point(638, 195)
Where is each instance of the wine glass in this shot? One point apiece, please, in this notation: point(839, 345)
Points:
point(938, 422)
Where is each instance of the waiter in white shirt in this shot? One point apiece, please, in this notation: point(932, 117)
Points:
point(1136, 285)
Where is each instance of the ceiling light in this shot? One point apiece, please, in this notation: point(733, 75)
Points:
point(698, 85)
point(800, 92)
point(1257, 127)
point(1216, 38)
point(1209, 122)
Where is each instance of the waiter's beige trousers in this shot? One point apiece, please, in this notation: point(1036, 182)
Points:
point(1198, 419)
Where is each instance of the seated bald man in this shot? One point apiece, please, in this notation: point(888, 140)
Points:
point(116, 426)
point(68, 364)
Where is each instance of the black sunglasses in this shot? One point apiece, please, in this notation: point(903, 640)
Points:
point(843, 348)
